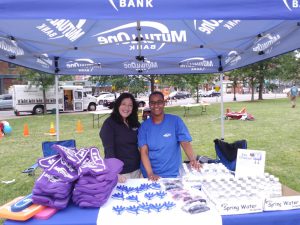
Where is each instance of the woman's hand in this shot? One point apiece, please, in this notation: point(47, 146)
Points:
point(121, 178)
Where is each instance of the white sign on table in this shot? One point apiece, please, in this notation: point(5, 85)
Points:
point(250, 163)
point(282, 203)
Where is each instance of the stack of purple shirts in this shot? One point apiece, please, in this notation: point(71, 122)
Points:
point(54, 187)
point(97, 178)
point(92, 177)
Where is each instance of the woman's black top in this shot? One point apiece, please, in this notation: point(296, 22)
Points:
point(120, 141)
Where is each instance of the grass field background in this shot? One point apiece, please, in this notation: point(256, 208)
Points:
point(275, 130)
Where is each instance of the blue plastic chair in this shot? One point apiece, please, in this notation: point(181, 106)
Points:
point(48, 151)
point(227, 152)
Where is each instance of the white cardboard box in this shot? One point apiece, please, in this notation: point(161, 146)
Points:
point(290, 199)
point(235, 206)
point(239, 206)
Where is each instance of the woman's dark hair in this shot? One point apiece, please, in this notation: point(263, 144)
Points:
point(133, 117)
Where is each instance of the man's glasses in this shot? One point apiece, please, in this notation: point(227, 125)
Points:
point(152, 103)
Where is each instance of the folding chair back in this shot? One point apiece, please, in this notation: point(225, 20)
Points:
point(227, 152)
point(48, 151)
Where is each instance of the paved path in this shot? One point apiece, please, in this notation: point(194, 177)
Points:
point(227, 98)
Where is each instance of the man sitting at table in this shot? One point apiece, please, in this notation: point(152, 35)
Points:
point(159, 140)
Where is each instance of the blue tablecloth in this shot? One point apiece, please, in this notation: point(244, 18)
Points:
point(288, 217)
point(74, 215)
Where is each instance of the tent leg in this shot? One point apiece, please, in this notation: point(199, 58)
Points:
point(57, 108)
point(222, 106)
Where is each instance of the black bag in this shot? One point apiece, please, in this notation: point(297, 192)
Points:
point(230, 150)
point(203, 159)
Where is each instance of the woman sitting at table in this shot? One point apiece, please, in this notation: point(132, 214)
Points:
point(119, 136)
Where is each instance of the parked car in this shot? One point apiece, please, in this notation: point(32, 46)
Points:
point(6, 101)
point(108, 97)
point(210, 93)
point(110, 103)
point(100, 93)
point(246, 90)
point(179, 95)
point(200, 91)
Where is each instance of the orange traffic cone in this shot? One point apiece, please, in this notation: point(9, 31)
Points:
point(25, 130)
point(79, 127)
point(52, 129)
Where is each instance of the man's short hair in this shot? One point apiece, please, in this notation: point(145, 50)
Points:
point(157, 93)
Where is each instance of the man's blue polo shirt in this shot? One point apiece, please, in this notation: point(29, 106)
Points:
point(163, 141)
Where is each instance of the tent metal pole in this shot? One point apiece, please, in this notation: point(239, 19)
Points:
point(57, 109)
point(138, 24)
point(222, 106)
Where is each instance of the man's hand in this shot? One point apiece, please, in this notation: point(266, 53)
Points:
point(153, 177)
point(195, 165)
point(187, 147)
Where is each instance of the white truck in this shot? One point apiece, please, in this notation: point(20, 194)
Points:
point(29, 98)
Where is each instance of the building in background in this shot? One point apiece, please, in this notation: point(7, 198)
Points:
point(9, 74)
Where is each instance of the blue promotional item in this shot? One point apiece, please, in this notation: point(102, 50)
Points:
point(7, 129)
point(22, 204)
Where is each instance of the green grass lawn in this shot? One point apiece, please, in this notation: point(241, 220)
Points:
point(275, 130)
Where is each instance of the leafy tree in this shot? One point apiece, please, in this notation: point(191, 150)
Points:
point(188, 81)
point(100, 79)
point(271, 86)
point(287, 66)
point(235, 77)
point(261, 73)
point(247, 75)
point(151, 78)
point(119, 83)
point(137, 85)
point(185, 81)
point(133, 84)
point(195, 81)
point(177, 81)
point(257, 74)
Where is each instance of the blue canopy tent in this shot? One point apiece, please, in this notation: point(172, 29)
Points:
point(113, 37)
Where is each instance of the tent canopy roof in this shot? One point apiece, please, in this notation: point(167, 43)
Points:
point(151, 9)
point(112, 37)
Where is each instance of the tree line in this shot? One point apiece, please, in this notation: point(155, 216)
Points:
point(285, 68)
